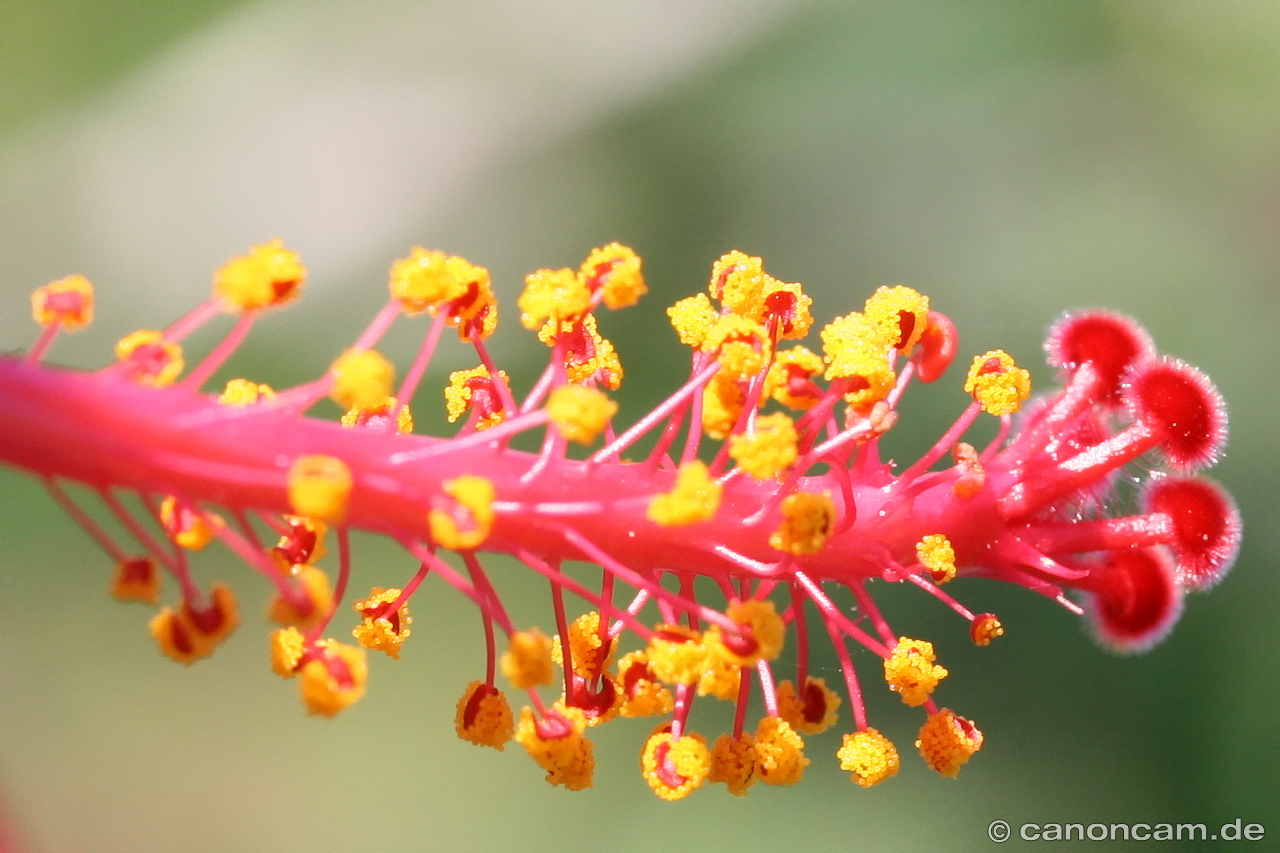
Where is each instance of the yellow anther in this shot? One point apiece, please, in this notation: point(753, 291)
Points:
point(555, 295)
point(187, 635)
point(269, 276)
point(334, 678)
point(936, 554)
point(427, 280)
point(736, 280)
point(67, 303)
point(676, 654)
point(475, 389)
point(780, 758)
point(786, 305)
point(136, 580)
point(362, 379)
point(720, 677)
point(985, 628)
point(527, 661)
point(693, 318)
point(587, 355)
point(857, 350)
point(590, 653)
point(242, 392)
point(467, 518)
point(869, 756)
point(642, 694)
point(302, 545)
point(314, 584)
point(287, 647)
point(580, 413)
point(695, 497)
point(762, 633)
point(998, 385)
point(557, 744)
point(674, 767)
point(789, 380)
point(722, 402)
point(319, 487)
point(807, 518)
point(742, 345)
point(189, 528)
point(484, 716)
point(911, 672)
point(733, 762)
point(615, 269)
point(381, 630)
point(149, 359)
point(902, 312)
point(769, 449)
point(812, 710)
point(947, 741)
point(380, 415)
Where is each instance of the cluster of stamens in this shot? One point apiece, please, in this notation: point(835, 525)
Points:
point(762, 475)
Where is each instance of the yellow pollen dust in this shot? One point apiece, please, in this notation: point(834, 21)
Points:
point(467, 524)
point(999, 385)
point(936, 554)
point(589, 652)
point(287, 646)
point(527, 661)
point(869, 756)
point(269, 276)
point(733, 762)
point(769, 449)
point(857, 350)
point(642, 694)
point(362, 379)
point(807, 518)
point(985, 628)
point(491, 723)
point(695, 498)
point(692, 318)
point(779, 749)
point(947, 741)
point(67, 303)
point(793, 707)
point(677, 654)
point(149, 358)
point(785, 303)
point(672, 767)
point(427, 280)
point(787, 365)
point(580, 413)
point(903, 314)
point(241, 392)
point(459, 396)
point(382, 633)
point(319, 487)
point(741, 345)
point(736, 280)
point(722, 402)
point(621, 279)
point(552, 295)
point(404, 418)
point(911, 672)
point(558, 746)
point(761, 623)
point(333, 679)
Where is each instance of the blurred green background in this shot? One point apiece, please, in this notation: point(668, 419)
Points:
point(1011, 160)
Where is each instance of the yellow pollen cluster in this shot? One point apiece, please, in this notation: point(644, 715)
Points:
point(552, 295)
point(558, 745)
point(740, 344)
point(947, 741)
point(643, 695)
point(527, 660)
point(149, 358)
point(998, 385)
point(431, 281)
point(807, 518)
point(467, 522)
point(722, 402)
point(460, 395)
point(590, 653)
point(693, 318)
point(736, 280)
point(380, 413)
point(287, 648)
point(902, 313)
point(379, 631)
point(769, 449)
point(985, 628)
point(241, 392)
point(334, 678)
point(676, 654)
point(315, 587)
point(361, 379)
point(811, 713)
point(763, 628)
point(674, 767)
point(911, 672)
point(785, 380)
point(269, 276)
point(780, 758)
point(615, 269)
point(733, 762)
point(319, 487)
point(484, 716)
point(187, 526)
point(936, 554)
point(67, 303)
point(187, 635)
point(695, 498)
point(869, 756)
point(580, 413)
point(856, 349)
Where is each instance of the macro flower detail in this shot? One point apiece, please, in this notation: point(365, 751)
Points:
point(731, 527)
